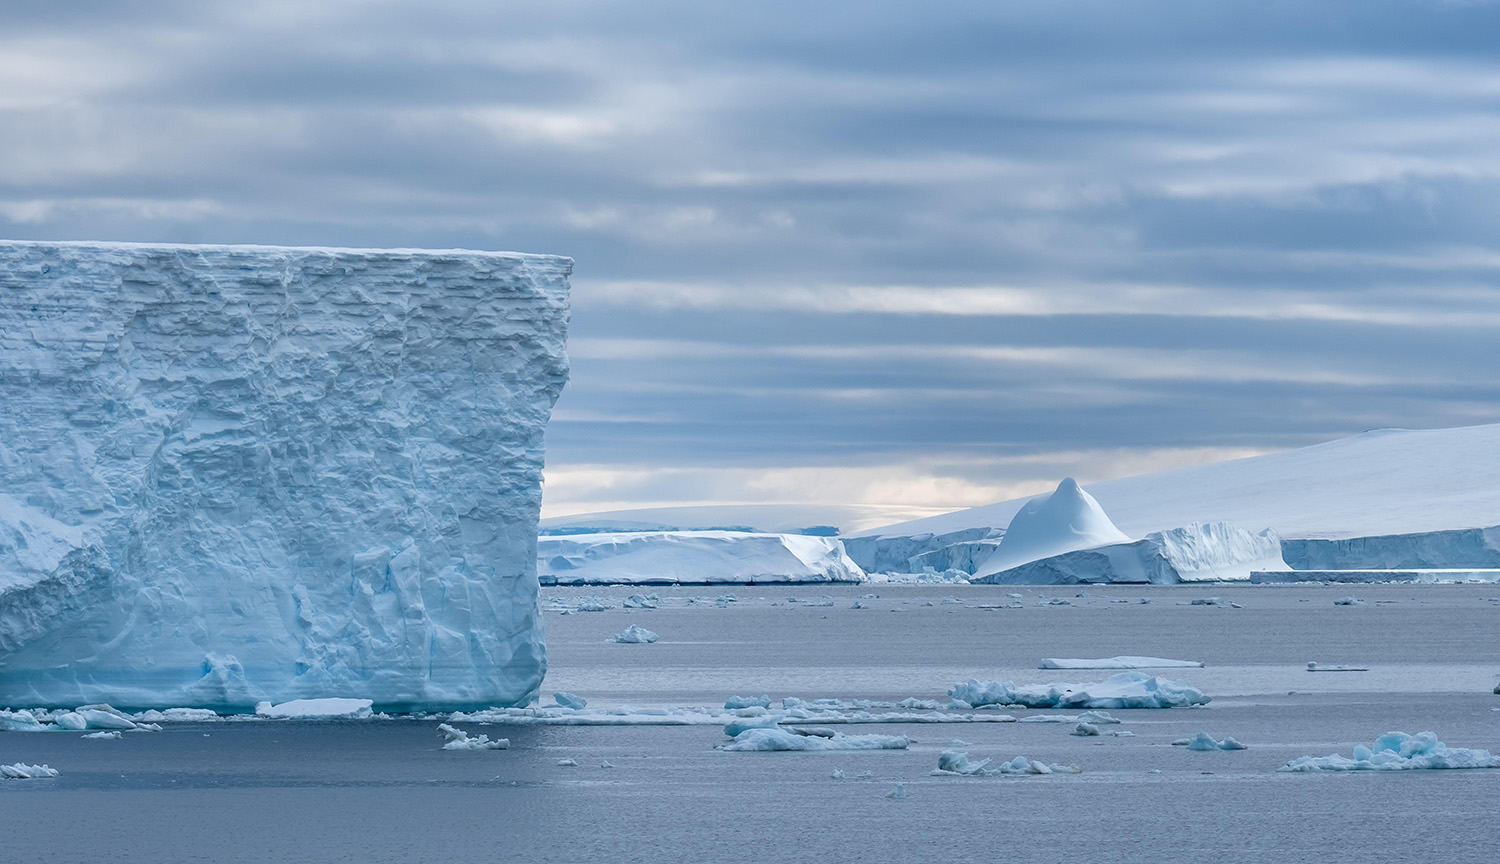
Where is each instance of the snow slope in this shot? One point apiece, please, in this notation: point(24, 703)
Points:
point(1388, 481)
point(692, 557)
point(1067, 520)
point(240, 474)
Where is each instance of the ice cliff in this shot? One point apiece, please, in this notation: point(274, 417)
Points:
point(693, 557)
point(1216, 551)
point(238, 474)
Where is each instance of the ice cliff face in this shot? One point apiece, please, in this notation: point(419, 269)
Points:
point(693, 558)
point(235, 474)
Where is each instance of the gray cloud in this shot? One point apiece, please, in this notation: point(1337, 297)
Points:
point(963, 247)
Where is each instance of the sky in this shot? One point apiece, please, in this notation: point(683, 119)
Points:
point(920, 255)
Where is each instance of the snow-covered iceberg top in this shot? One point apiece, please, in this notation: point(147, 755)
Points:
point(1125, 690)
point(1067, 520)
point(692, 558)
point(1199, 552)
point(1398, 751)
point(237, 474)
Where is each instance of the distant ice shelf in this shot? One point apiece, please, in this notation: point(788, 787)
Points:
point(693, 558)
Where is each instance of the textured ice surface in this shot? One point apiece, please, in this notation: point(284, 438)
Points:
point(1126, 662)
point(1125, 690)
point(458, 739)
point(783, 739)
point(1067, 520)
point(235, 474)
point(316, 709)
point(957, 762)
point(692, 557)
point(1469, 548)
point(634, 635)
point(1216, 551)
point(1398, 751)
point(1204, 741)
point(22, 771)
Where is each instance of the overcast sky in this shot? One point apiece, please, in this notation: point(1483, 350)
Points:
point(921, 254)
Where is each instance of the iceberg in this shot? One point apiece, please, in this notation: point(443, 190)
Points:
point(634, 635)
point(1204, 741)
point(1126, 662)
point(1125, 690)
point(1065, 521)
point(693, 558)
point(956, 762)
point(22, 771)
point(1216, 551)
point(1398, 751)
point(236, 474)
point(785, 740)
point(458, 739)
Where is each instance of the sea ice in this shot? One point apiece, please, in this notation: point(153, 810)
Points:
point(21, 771)
point(1066, 520)
point(1125, 662)
point(570, 700)
point(640, 601)
point(20, 721)
point(1204, 741)
point(1398, 751)
point(736, 702)
point(568, 762)
point(316, 709)
point(782, 739)
point(1085, 730)
point(458, 739)
point(1349, 601)
point(249, 474)
point(958, 762)
point(899, 793)
point(1125, 690)
point(634, 635)
point(735, 727)
point(112, 735)
point(1335, 667)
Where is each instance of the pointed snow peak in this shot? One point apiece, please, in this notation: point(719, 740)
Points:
point(1064, 521)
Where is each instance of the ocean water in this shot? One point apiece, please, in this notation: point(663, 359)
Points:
point(384, 791)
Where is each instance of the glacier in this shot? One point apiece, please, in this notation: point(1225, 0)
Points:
point(235, 474)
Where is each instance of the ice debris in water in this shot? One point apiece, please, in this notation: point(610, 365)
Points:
point(606, 764)
point(1398, 751)
point(766, 721)
point(858, 605)
point(898, 793)
point(734, 703)
point(840, 774)
point(957, 762)
point(570, 700)
point(593, 604)
point(1349, 601)
point(112, 735)
point(458, 739)
point(785, 740)
point(20, 721)
point(568, 763)
point(22, 771)
point(1205, 741)
point(634, 635)
point(1124, 662)
point(1085, 730)
point(316, 709)
point(1125, 690)
point(1335, 667)
point(640, 601)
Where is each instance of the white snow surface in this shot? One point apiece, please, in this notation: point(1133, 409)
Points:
point(1125, 690)
point(234, 474)
point(1124, 662)
point(1398, 751)
point(316, 709)
point(1384, 482)
point(1067, 520)
point(1199, 552)
point(692, 557)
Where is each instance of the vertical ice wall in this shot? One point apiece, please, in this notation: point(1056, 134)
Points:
point(230, 474)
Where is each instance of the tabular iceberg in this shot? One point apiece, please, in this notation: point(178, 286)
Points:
point(240, 474)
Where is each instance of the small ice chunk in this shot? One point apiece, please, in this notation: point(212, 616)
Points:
point(72, 720)
point(1124, 690)
point(1085, 730)
point(104, 717)
point(735, 703)
point(22, 771)
point(568, 763)
point(840, 774)
point(1398, 751)
point(1210, 601)
point(110, 735)
point(1053, 601)
point(571, 700)
point(898, 793)
point(634, 635)
point(316, 709)
point(640, 601)
point(20, 721)
point(1349, 601)
point(858, 605)
point(958, 762)
point(458, 739)
point(950, 600)
point(1335, 667)
point(1204, 741)
point(181, 715)
point(606, 764)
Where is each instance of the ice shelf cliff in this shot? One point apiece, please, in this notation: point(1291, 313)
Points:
point(238, 474)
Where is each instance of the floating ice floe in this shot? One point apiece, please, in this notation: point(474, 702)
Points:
point(112, 735)
point(1214, 601)
point(1335, 667)
point(766, 721)
point(736, 702)
point(1124, 662)
point(957, 762)
point(1349, 601)
point(634, 635)
point(22, 771)
point(570, 700)
point(1125, 690)
point(458, 739)
point(316, 709)
point(840, 774)
point(1398, 751)
point(20, 721)
point(640, 601)
point(786, 740)
point(1098, 718)
point(1205, 741)
point(568, 763)
point(897, 794)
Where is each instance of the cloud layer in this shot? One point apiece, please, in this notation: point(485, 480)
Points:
point(926, 255)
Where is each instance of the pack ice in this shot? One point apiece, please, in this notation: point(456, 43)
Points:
point(231, 475)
